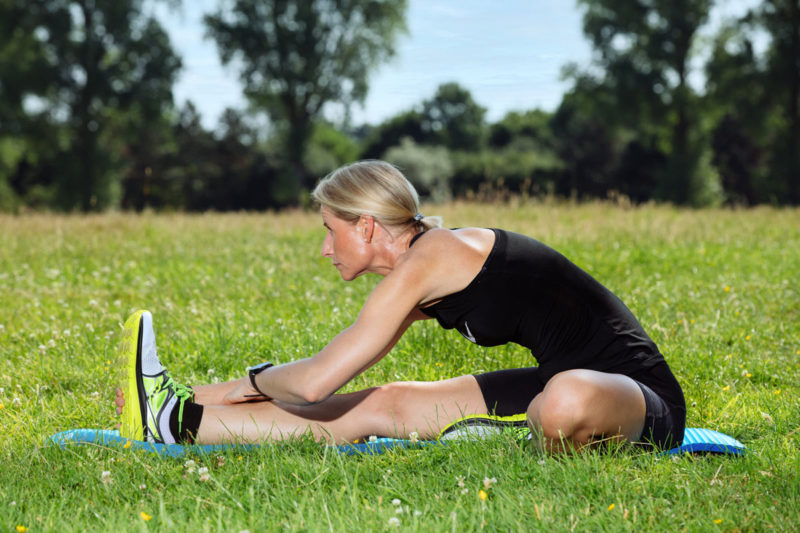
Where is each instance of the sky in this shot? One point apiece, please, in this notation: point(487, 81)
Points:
point(508, 53)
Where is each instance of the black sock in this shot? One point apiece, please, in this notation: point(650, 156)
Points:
point(185, 431)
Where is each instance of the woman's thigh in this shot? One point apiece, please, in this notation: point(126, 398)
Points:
point(584, 405)
point(395, 409)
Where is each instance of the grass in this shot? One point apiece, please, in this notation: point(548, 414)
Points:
point(716, 289)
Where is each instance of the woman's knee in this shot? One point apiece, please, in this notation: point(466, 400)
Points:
point(389, 403)
point(564, 408)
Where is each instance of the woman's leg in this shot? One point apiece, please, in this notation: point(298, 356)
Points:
point(393, 410)
point(578, 407)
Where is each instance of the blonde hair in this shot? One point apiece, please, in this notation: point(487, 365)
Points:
point(374, 188)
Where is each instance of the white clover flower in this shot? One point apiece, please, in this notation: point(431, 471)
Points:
point(465, 491)
point(93, 303)
point(394, 521)
point(90, 327)
point(16, 401)
point(413, 436)
point(66, 333)
point(373, 438)
point(51, 343)
point(399, 510)
point(396, 502)
point(189, 465)
point(417, 513)
point(488, 482)
point(142, 486)
point(460, 480)
point(105, 476)
point(203, 473)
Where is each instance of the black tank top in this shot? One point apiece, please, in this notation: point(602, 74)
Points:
point(530, 294)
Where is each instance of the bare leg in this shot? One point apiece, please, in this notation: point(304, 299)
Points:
point(394, 410)
point(578, 407)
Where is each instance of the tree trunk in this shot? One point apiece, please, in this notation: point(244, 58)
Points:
point(793, 137)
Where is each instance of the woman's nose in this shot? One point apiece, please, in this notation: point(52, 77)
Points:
point(326, 246)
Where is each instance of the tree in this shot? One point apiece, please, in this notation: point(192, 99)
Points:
point(533, 124)
point(296, 56)
point(93, 68)
point(391, 132)
point(452, 118)
point(644, 49)
point(756, 100)
point(739, 104)
point(781, 19)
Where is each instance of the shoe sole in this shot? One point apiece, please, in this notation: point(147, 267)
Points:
point(130, 351)
point(483, 426)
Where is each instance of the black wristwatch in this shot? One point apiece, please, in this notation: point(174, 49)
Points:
point(253, 371)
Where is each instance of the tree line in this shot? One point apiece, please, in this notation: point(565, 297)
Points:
point(88, 122)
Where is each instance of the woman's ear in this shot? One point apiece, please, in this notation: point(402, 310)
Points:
point(366, 226)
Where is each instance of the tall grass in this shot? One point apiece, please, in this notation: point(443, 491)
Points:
point(716, 289)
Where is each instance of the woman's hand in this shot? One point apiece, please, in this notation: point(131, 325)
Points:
point(244, 392)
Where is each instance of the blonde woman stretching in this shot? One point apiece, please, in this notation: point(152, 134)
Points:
point(599, 376)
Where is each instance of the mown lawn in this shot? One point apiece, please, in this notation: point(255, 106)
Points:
point(716, 289)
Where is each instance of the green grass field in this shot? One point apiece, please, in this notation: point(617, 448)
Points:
point(717, 290)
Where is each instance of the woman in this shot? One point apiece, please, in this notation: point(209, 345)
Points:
point(599, 376)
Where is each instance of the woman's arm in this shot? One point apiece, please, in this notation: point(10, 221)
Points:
point(387, 313)
point(419, 277)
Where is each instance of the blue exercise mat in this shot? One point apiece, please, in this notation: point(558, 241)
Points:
point(695, 440)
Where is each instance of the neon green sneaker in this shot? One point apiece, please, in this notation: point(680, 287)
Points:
point(476, 427)
point(150, 392)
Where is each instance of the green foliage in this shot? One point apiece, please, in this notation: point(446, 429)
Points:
point(534, 124)
point(296, 56)
point(428, 168)
point(715, 288)
point(453, 119)
point(91, 68)
point(328, 150)
point(392, 131)
point(644, 51)
point(523, 167)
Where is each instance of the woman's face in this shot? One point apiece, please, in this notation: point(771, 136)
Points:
point(345, 245)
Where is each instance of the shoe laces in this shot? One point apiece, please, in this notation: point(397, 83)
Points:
point(182, 392)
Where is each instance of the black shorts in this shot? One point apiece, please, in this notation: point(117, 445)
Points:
point(509, 392)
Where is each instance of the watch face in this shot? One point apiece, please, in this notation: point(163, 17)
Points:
point(258, 368)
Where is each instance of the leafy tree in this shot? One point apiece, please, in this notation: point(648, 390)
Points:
point(587, 146)
point(534, 124)
point(92, 67)
point(644, 49)
point(740, 105)
point(427, 167)
point(298, 55)
point(390, 133)
point(756, 102)
point(452, 118)
point(781, 19)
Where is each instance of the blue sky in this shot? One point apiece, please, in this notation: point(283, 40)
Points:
point(508, 53)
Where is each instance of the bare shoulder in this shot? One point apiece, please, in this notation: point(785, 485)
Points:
point(462, 240)
point(446, 261)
